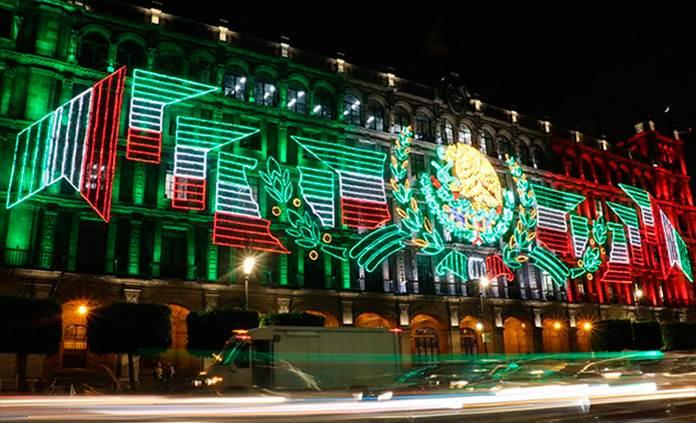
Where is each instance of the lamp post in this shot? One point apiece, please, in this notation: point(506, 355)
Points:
point(637, 296)
point(484, 283)
point(247, 267)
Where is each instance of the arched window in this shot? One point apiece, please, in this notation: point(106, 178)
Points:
point(487, 144)
point(297, 98)
point(505, 147)
point(94, 51)
point(200, 70)
point(538, 157)
point(523, 152)
point(464, 135)
point(169, 63)
point(266, 92)
point(323, 104)
point(447, 132)
point(130, 54)
point(401, 120)
point(234, 84)
point(424, 127)
point(375, 117)
point(352, 111)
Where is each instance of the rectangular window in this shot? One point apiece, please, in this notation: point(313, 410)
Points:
point(547, 285)
point(5, 23)
point(418, 164)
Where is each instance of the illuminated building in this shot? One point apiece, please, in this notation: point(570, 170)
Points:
point(229, 144)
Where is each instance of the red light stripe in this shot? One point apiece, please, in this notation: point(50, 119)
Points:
point(189, 195)
point(241, 231)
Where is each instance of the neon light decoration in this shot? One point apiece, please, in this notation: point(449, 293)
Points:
point(552, 208)
point(548, 262)
point(619, 265)
point(237, 221)
point(495, 267)
point(456, 263)
point(195, 138)
point(642, 198)
point(677, 251)
point(629, 217)
point(377, 246)
point(317, 187)
point(360, 178)
point(580, 232)
point(152, 92)
point(466, 195)
point(76, 142)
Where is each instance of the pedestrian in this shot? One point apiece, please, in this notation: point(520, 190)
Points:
point(158, 374)
point(170, 376)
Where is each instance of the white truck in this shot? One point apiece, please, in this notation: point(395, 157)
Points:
point(299, 358)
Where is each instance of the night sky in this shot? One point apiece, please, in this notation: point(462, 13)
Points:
point(590, 68)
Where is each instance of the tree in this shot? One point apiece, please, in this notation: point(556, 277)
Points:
point(293, 319)
point(128, 328)
point(612, 335)
point(209, 330)
point(647, 335)
point(679, 336)
point(29, 326)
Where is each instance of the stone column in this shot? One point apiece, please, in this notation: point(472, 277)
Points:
point(497, 344)
point(109, 266)
point(157, 251)
point(328, 271)
point(138, 183)
point(212, 271)
point(538, 331)
point(134, 248)
point(347, 313)
point(191, 270)
point(46, 245)
point(282, 269)
point(282, 142)
point(72, 246)
point(6, 90)
point(454, 331)
point(572, 331)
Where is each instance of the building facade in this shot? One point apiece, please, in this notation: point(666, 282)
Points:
point(482, 230)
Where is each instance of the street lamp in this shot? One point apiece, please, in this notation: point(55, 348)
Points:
point(484, 283)
point(638, 295)
point(82, 310)
point(247, 267)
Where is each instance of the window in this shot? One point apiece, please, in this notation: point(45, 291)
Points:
point(375, 117)
point(266, 93)
point(464, 135)
point(483, 141)
point(424, 127)
point(323, 104)
point(523, 152)
point(448, 132)
point(234, 84)
point(94, 51)
point(538, 157)
point(169, 63)
point(130, 54)
point(491, 149)
point(200, 70)
point(418, 165)
point(401, 121)
point(5, 23)
point(297, 98)
point(505, 147)
point(352, 110)
point(547, 285)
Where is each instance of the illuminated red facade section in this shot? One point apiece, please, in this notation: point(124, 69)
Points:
point(143, 145)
